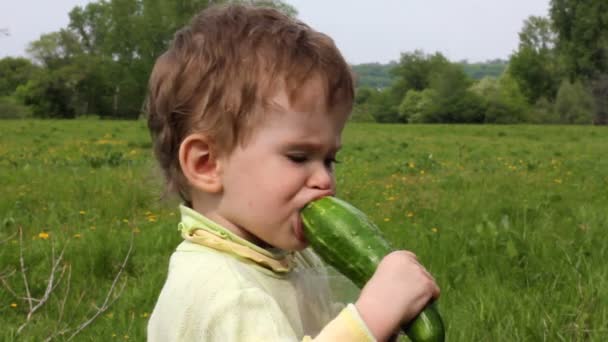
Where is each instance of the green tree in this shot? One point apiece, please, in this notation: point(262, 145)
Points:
point(101, 62)
point(599, 90)
point(415, 71)
point(453, 101)
point(54, 92)
point(534, 66)
point(582, 32)
point(15, 71)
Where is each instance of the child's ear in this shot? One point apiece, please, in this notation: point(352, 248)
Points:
point(200, 164)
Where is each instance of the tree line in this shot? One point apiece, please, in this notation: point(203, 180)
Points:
point(559, 74)
point(99, 64)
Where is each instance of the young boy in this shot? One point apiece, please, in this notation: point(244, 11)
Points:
point(246, 110)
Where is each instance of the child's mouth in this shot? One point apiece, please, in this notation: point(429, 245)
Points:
point(298, 229)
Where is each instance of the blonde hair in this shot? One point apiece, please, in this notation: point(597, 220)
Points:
point(222, 69)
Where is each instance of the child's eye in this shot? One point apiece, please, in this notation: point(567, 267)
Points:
point(330, 162)
point(297, 158)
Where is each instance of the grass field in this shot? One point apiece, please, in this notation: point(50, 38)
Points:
point(511, 220)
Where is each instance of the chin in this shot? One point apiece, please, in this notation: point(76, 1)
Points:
point(296, 246)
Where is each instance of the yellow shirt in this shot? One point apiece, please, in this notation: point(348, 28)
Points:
point(221, 287)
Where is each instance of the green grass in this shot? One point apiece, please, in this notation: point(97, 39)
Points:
point(511, 220)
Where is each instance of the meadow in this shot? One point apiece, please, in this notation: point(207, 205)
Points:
point(511, 220)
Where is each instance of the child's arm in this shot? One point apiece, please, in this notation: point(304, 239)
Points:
point(399, 289)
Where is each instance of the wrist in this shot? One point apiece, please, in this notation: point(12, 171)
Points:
point(378, 324)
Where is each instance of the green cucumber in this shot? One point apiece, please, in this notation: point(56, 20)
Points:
point(346, 239)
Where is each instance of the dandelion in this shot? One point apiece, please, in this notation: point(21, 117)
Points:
point(77, 236)
point(125, 220)
point(43, 235)
point(144, 315)
point(421, 172)
point(82, 212)
point(386, 219)
point(434, 229)
point(14, 305)
point(410, 214)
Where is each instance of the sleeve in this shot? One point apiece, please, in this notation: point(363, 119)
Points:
point(347, 326)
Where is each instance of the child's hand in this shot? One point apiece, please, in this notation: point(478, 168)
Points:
point(397, 292)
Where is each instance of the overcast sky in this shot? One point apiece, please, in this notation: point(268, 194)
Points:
point(365, 30)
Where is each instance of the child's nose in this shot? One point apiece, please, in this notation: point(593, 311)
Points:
point(322, 178)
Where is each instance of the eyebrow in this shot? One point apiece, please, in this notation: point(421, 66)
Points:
point(311, 146)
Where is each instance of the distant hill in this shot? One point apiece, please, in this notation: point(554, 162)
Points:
point(377, 75)
point(477, 71)
point(373, 75)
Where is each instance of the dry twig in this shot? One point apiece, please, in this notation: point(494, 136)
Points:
point(22, 264)
point(51, 285)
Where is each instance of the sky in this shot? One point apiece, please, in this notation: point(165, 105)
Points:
point(365, 31)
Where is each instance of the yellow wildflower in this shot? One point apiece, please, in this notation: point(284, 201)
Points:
point(77, 236)
point(13, 305)
point(82, 212)
point(410, 214)
point(434, 229)
point(43, 235)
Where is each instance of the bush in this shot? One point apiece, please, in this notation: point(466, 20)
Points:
point(415, 105)
point(504, 101)
point(574, 104)
point(543, 112)
point(10, 108)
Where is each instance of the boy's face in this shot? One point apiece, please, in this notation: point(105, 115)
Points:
point(286, 163)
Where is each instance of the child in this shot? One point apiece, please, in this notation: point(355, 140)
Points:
point(246, 111)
